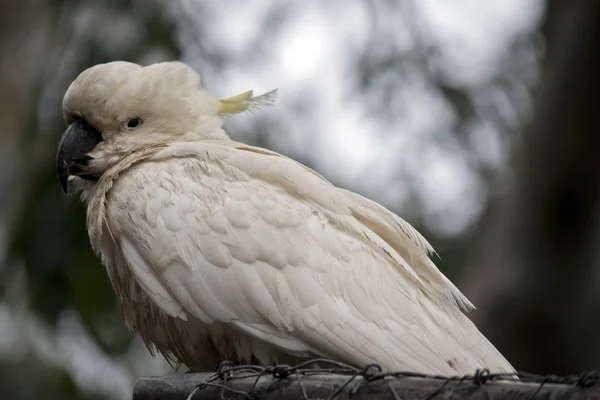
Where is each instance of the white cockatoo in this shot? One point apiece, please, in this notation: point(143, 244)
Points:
point(218, 250)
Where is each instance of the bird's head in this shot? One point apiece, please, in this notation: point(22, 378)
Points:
point(117, 108)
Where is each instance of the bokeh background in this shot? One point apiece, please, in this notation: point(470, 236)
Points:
point(474, 120)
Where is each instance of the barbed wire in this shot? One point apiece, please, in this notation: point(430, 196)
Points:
point(228, 373)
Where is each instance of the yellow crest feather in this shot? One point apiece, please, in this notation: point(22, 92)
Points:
point(245, 102)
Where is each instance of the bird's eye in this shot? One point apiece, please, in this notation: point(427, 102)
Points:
point(133, 123)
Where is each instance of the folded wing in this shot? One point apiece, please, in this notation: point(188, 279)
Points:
point(246, 237)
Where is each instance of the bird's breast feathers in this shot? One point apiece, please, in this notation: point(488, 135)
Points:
point(224, 233)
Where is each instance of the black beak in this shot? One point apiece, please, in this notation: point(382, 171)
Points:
point(77, 140)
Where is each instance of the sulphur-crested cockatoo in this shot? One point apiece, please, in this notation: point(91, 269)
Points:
point(218, 250)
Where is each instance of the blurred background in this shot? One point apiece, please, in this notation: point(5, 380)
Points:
point(473, 120)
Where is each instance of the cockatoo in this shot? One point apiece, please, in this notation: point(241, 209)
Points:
point(218, 250)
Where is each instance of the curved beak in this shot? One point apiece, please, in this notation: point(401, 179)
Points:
point(71, 157)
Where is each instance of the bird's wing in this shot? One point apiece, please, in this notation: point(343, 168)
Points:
point(395, 231)
point(252, 239)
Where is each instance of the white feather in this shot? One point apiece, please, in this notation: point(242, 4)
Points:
point(290, 260)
